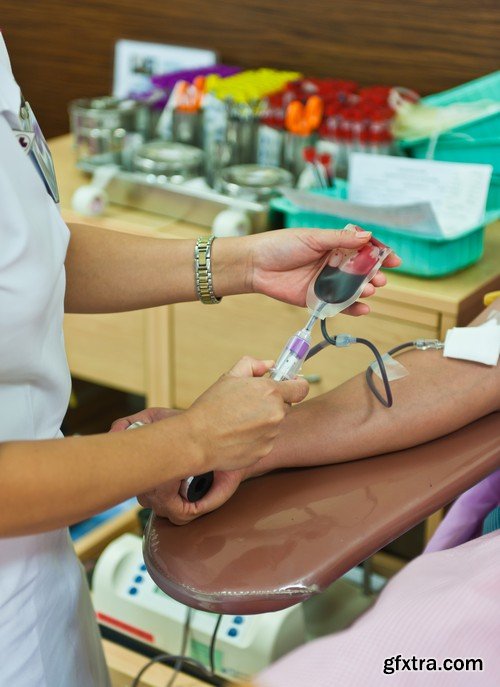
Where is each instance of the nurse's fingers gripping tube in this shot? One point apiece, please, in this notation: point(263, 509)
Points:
point(192, 488)
point(341, 279)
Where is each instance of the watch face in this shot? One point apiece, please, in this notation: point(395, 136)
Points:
point(34, 141)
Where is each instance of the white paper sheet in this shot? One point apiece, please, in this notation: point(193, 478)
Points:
point(416, 217)
point(457, 192)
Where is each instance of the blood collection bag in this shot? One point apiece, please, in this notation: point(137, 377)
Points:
point(343, 276)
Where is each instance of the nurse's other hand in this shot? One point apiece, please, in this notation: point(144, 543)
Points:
point(235, 422)
point(147, 416)
point(282, 263)
point(166, 501)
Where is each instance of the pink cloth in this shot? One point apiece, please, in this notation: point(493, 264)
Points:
point(443, 605)
point(465, 518)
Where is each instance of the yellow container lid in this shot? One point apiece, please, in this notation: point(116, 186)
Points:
point(250, 85)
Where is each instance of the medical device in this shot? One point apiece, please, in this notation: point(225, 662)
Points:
point(337, 284)
point(126, 599)
point(192, 488)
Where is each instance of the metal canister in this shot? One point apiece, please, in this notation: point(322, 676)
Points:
point(100, 127)
point(241, 136)
point(270, 146)
point(241, 131)
point(187, 127)
point(254, 182)
point(293, 151)
point(174, 162)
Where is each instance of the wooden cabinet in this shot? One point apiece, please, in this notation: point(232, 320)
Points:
point(108, 349)
point(128, 351)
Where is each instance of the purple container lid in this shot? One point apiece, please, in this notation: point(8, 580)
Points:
point(168, 81)
point(162, 84)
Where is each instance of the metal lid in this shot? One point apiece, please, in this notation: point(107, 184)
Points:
point(258, 181)
point(105, 103)
point(164, 157)
point(89, 116)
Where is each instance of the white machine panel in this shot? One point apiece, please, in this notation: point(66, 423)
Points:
point(127, 600)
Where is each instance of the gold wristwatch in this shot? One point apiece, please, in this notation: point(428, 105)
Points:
point(203, 270)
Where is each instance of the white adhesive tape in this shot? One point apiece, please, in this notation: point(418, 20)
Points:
point(478, 344)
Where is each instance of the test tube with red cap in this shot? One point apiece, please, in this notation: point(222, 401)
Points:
point(380, 136)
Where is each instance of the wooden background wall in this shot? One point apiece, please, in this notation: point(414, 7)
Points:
point(63, 49)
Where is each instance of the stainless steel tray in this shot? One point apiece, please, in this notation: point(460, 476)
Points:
point(191, 201)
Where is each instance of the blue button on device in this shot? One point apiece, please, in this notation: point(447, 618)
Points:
point(238, 619)
point(133, 591)
point(232, 632)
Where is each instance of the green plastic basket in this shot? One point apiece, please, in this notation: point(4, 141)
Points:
point(422, 256)
point(455, 148)
point(477, 140)
point(493, 201)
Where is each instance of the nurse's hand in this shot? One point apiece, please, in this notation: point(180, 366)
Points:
point(282, 263)
point(166, 502)
point(165, 499)
point(147, 416)
point(235, 422)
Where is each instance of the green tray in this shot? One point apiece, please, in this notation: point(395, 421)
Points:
point(422, 256)
point(477, 140)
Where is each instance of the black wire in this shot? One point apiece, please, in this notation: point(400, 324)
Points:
point(185, 637)
point(212, 645)
point(326, 335)
point(168, 659)
point(388, 400)
point(177, 661)
point(396, 349)
point(317, 348)
point(369, 369)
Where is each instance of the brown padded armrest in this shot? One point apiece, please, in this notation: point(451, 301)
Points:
point(290, 534)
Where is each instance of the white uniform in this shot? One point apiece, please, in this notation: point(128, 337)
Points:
point(48, 634)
